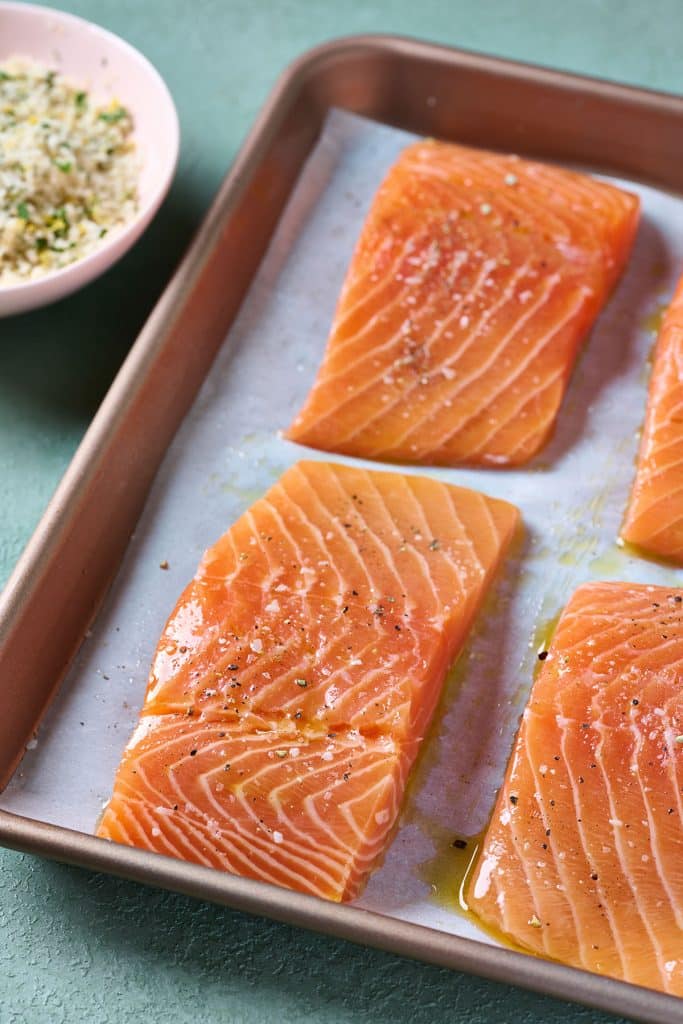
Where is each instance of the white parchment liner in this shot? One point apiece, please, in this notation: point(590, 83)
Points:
point(228, 453)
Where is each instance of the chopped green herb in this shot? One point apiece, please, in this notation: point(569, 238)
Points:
point(112, 116)
point(61, 222)
point(301, 682)
point(50, 126)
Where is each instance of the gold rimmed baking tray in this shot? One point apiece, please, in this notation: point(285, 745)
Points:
point(60, 582)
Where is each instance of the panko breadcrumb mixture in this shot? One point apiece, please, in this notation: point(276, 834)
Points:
point(68, 171)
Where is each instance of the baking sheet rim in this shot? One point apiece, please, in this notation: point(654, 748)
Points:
point(342, 921)
point(348, 922)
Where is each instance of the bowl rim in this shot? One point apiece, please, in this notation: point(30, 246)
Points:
point(147, 210)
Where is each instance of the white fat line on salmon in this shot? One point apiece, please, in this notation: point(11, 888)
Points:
point(561, 868)
point(592, 857)
point(547, 288)
point(370, 326)
point(465, 301)
point(521, 367)
point(370, 353)
point(652, 830)
point(368, 296)
point(619, 844)
point(445, 366)
point(513, 418)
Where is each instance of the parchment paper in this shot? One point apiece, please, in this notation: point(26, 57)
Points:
point(228, 453)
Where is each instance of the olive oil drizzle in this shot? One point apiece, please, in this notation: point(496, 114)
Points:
point(449, 871)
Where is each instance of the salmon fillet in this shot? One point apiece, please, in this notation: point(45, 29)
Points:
point(582, 860)
point(296, 678)
point(654, 519)
point(475, 280)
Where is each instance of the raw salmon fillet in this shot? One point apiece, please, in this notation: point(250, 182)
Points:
point(296, 678)
point(654, 519)
point(583, 858)
point(475, 280)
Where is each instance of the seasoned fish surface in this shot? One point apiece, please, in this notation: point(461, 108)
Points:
point(582, 859)
point(297, 676)
point(475, 280)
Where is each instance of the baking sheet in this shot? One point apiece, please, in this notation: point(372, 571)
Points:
point(228, 452)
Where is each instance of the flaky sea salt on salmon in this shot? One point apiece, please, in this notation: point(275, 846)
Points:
point(583, 858)
point(297, 676)
point(475, 280)
point(654, 519)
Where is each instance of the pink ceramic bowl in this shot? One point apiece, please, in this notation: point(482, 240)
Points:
point(107, 67)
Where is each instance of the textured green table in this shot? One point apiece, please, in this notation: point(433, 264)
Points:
point(79, 947)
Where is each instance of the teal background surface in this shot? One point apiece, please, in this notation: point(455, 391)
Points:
point(80, 947)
